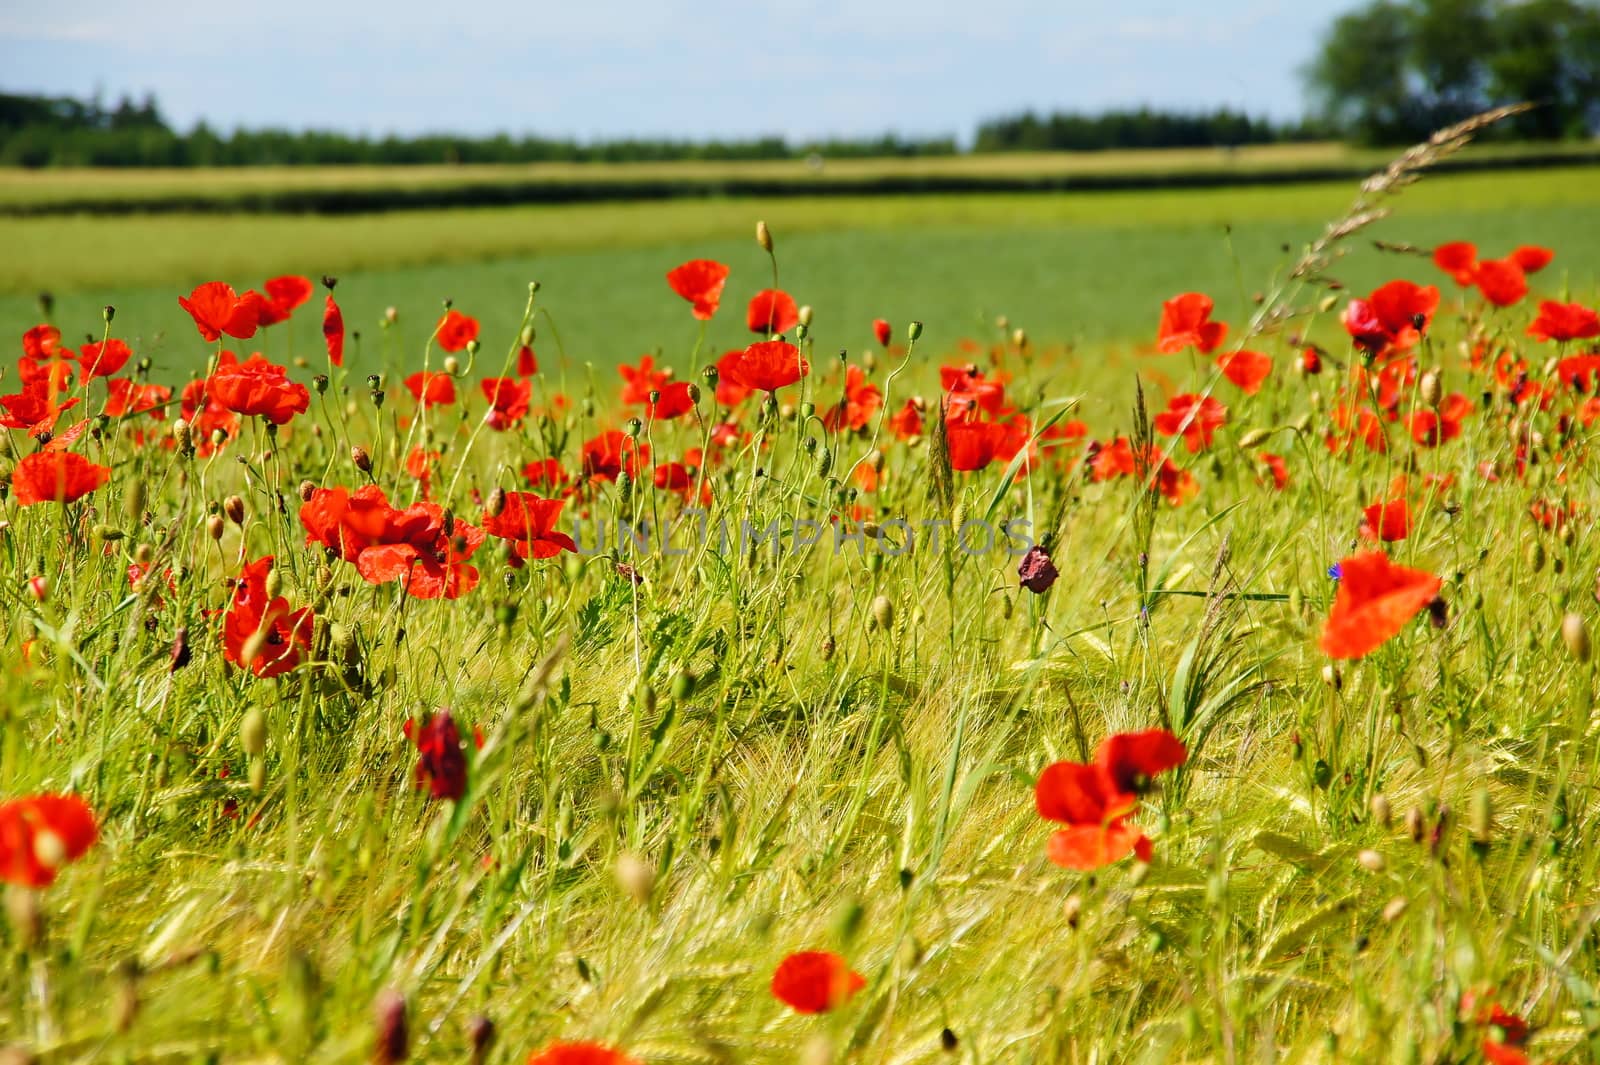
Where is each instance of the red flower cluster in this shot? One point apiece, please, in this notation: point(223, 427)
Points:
point(1094, 801)
point(422, 546)
point(259, 632)
point(256, 388)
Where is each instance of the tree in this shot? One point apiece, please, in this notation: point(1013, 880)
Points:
point(1398, 69)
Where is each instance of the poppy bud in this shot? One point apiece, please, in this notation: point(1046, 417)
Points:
point(634, 428)
point(254, 646)
point(682, 684)
point(1371, 861)
point(828, 647)
point(133, 501)
point(233, 507)
point(1254, 438)
point(481, 1033)
point(1576, 635)
point(219, 437)
point(215, 526)
point(1480, 817)
point(389, 1024)
point(181, 435)
point(452, 365)
point(253, 732)
point(377, 398)
point(1332, 677)
point(804, 314)
point(274, 583)
point(914, 331)
point(824, 461)
point(869, 361)
point(361, 459)
point(636, 877)
point(1326, 304)
point(883, 613)
point(764, 237)
point(497, 503)
point(1430, 390)
point(307, 490)
point(693, 392)
point(1380, 810)
point(1536, 556)
point(1019, 337)
point(1415, 823)
point(800, 331)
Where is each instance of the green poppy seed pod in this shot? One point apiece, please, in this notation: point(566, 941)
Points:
point(914, 331)
point(1576, 635)
point(233, 507)
point(361, 459)
point(634, 428)
point(108, 312)
point(800, 331)
point(1254, 438)
point(274, 583)
point(692, 390)
point(497, 503)
point(253, 732)
point(804, 315)
point(452, 366)
point(883, 613)
point(257, 775)
point(808, 409)
point(711, 376)
point(215, 526)
point(377, 398)
point(219, 437)
point(320, 384)
point(1431, 391)
point(764, 237)
point(133, 500)
point(1480, 817)
point(682, 684)
point(108, 533)
point(1381, 814)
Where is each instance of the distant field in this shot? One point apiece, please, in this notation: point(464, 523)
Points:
point(343, 189)
point(1080, 268)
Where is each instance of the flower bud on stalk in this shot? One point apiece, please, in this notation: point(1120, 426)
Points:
point(883, 613)
point(233, 507)
point(253, 732)
point(361, 459)
point(392, 1040)
point(764, 237)
point(1576, 636)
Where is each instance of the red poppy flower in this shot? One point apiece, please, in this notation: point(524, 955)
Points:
point(1459, 259)
point(103, 359)
point(432, 389)
point(333, 331)
point(256, 387)
point(125, 397)
point(206, 416)
point(1186, 321)
point(55, 477)
point(1196, 418)
point(767, 366)
point(41, 833)
point(639, 381)
point(1352, 424)
point(861, 401)
point(1277, 468)
point(416, 550)
point(1311, 361)
point(1387, 319)
point(730, 393)
point(508, 401)
point(674, 402)
point(560, 1053)
point(441, 761)
point(1532, 258)
point(527, 362)
point(1387, 521)
point(284, 295)
point(1579, 372)
point(262, 634)
point(1132, 759)
point(612, 452)
point(529, 522)
point(882, 331)
point(700, 282)
point(545, 471)
point(1432, 428)
point(772, 312)
point(973, 445)
point(815, 981)
point(216, 309)
point(41, 342)
point(1501, 281)
point(907, 421)
point(35, 408)
point(1094, 800)
point(1375, 600)
point(1247, 369)
point(1564, 321)
point(455, 331)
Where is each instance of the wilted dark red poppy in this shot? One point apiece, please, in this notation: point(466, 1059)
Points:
point(41, 833)
point(284, 295)
point(55, 477)
point(767, 366)
point(861, 401)
point(508, 398)
point(1459, 259)
point(815, 981)
point(1186, 321)
point(333, 331)
point(1375, 600)
point(103, 359)
point(529, 522)
point(772, 312)
point(881, 331)
point(1247, 369)
point(260, 633)
point(432, 389)
point(1197, 418)
point(1037, 571)
point(455, 331)
point(1501, 281)
point(441, 761)
point(700, 282)
point(256, 387)
point(1387, 521)
point(217, 309)
point(673, 402)
point(1564, 321)
point(581, 1053)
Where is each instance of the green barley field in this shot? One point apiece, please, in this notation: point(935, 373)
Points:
point(967, 696)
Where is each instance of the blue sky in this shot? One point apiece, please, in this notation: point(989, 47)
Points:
point(608, 68)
